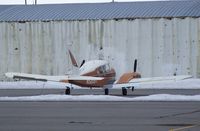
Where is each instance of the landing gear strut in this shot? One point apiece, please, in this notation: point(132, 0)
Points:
point(106, 91)
point(124, 91)
point(67, 91)
point(132, 88)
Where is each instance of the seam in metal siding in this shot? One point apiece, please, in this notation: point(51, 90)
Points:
point(116, 10)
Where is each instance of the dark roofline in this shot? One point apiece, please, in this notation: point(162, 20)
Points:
point(103, 11)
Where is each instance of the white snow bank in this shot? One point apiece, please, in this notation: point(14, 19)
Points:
point(158, 97)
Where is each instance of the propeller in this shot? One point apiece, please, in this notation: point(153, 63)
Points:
point(83, 62)
point(135, 65)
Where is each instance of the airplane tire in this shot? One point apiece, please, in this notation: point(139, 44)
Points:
point(124, 91)
point(67, 91)
point(106, 91)
point(133, 88)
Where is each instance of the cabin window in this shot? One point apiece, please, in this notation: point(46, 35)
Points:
point(104, 69)
point(107, 68)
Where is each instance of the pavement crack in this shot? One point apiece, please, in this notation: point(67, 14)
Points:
point(174, 125)
point(178, 114)
point(79, 122)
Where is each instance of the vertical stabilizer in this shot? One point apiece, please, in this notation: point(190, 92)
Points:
point(73, 60)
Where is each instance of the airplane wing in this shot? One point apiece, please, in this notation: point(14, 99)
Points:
point(151, 80)
point(15, 75)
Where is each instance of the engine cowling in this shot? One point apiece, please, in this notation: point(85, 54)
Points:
point(126, 77)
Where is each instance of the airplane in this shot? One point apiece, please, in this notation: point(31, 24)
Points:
point(96, 74)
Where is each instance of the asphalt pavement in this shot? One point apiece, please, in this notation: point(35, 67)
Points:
point(99, 116)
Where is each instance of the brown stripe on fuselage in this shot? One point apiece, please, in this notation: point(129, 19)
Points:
point(64, 81)
point(109, 77)
point(91, 83)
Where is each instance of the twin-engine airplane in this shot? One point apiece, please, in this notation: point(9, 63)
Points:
point(96, 74)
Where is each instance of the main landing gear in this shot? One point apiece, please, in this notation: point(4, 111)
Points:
point(124, 91)
point(106, 91)
point(67, 91)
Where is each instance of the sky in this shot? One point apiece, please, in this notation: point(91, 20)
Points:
point(62, 1)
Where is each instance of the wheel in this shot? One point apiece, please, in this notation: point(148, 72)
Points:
point(124, 91)
point(67, 91)
point(133, 88)
point(106, 91)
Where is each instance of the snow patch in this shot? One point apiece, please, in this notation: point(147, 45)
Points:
point(158, 97)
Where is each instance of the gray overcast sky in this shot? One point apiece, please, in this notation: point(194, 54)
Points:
point(62, 1)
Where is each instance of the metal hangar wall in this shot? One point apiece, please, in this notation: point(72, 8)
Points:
point(164, 43)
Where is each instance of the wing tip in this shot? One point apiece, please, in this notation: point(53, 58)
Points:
point(9, 74)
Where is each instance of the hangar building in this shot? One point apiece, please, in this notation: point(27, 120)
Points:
point(163, 35)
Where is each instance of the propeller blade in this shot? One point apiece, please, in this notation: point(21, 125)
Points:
point(135, 65)
point(83, 62)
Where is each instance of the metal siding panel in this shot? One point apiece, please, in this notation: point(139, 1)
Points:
point(121, 44)
point(130, 55)
point(157, 47)
point(13, 50)
point(58, 47)
point(193, 34)
point(107, 40)
point(145, 45)
point(169, 65)
point(183, 45)
point(198, 47)
point(23, 47)
point(3, 50)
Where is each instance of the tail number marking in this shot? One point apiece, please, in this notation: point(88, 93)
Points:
point(91, 82)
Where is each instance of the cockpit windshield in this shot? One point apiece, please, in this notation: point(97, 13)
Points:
point(104, 69)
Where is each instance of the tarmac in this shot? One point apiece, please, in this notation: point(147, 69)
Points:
point(98, 116)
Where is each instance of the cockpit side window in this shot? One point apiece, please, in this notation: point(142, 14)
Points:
point(107, 68)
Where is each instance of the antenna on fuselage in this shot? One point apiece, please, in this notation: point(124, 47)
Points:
point(83, 62)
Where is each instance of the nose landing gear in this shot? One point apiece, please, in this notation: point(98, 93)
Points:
point(106, 91)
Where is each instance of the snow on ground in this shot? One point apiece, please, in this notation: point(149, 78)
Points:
point(158, 97)
point(181, 84)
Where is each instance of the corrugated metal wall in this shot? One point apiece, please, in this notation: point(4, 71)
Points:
point(162, 46)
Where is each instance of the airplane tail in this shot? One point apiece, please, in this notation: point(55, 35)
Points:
point(73, 60)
